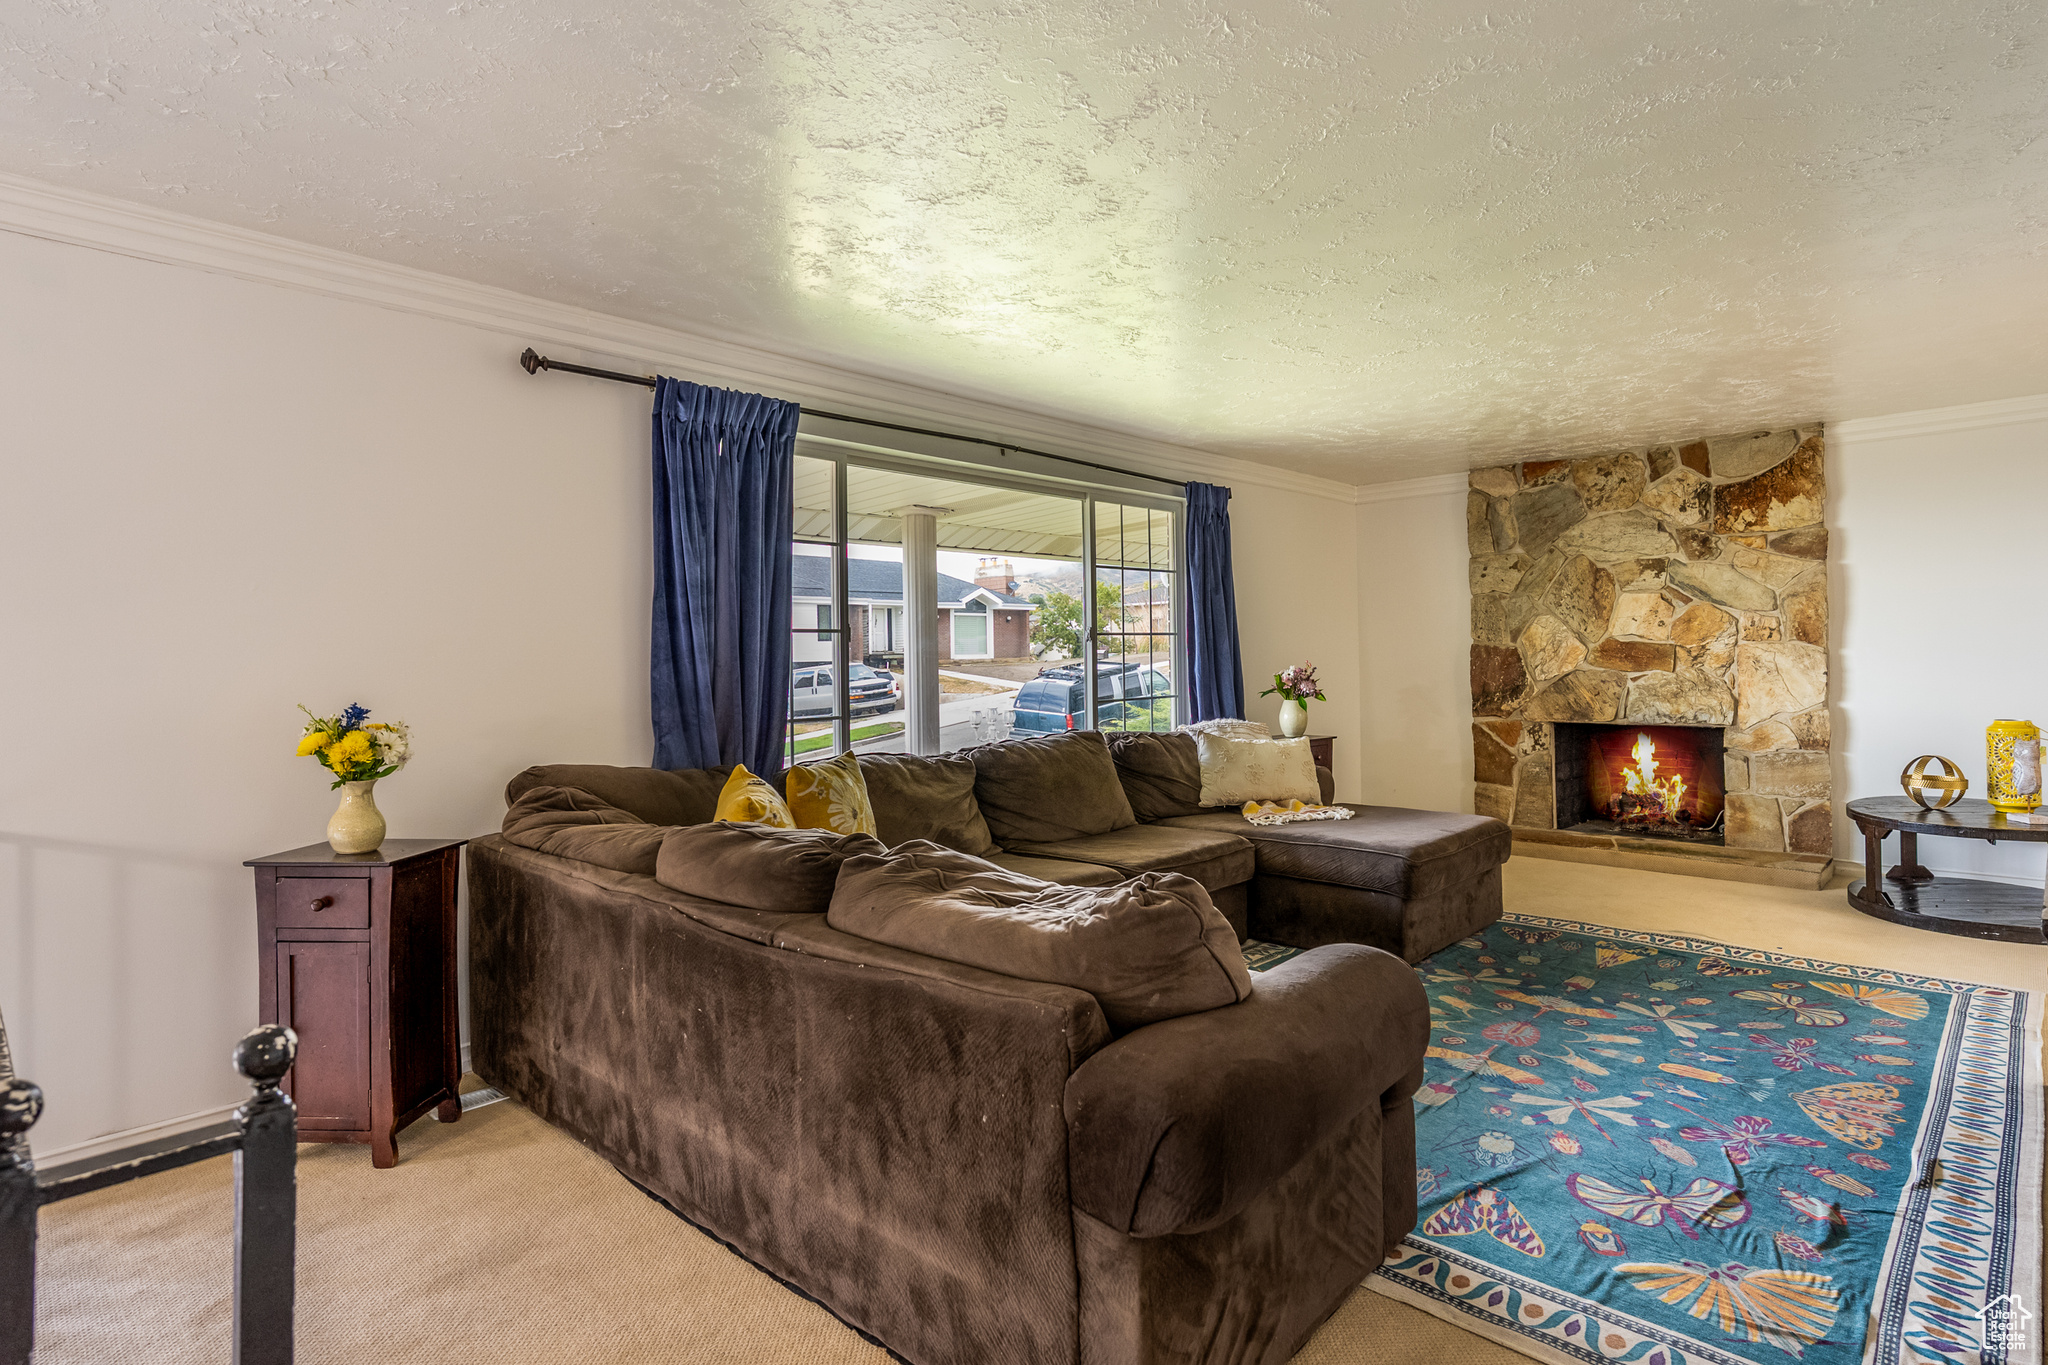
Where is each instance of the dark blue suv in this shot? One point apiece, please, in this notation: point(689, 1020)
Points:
point(1127, 696)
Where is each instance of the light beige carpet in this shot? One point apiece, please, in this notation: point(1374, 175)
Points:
point(499, 1239)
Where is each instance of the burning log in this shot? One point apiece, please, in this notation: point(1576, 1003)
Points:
point(1647, 800)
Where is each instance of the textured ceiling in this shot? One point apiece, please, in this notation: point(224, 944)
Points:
point(1368, 241)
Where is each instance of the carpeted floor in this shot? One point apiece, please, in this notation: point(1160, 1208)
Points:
point(499, 1239)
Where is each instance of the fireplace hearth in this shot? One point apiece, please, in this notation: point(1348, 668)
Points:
point(1641, 781)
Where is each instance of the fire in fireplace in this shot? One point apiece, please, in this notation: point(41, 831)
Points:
point(1655, 781)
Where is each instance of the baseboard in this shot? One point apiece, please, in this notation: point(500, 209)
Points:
point(149, 1132)
point(1965, 873)
point(129, 1137)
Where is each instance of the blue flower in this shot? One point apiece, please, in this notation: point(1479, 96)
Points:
point(353, 718)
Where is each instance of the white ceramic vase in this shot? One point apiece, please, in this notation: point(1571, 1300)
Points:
point(357, 826)
point(1293, 719)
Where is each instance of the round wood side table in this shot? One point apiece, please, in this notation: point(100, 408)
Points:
point(1910, 894)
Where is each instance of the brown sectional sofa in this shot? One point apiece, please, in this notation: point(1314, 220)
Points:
point(971, 1166)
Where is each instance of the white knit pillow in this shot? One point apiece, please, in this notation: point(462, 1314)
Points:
point(1251, 729)
point(1237, 768)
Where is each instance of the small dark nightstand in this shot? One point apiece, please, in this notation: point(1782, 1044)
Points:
point(1323, 746)
point(357, 954)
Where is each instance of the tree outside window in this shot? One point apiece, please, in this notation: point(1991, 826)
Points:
point(1056, 626)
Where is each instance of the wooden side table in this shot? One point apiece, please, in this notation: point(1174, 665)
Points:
point(357, 956)
point(1324, 748)
point(1910, 894)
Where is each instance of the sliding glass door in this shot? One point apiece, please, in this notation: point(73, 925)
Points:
point(938, 604)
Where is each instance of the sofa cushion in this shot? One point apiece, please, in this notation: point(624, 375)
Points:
point(758, 866)
point(1216, 860)
point(570, 823)
point(1048, 788)
point(1062, 870)
point(562, 874)
point(925, 798)
point(1401, 852)
point(1147, 949)
point(685, 796)
point(1161, 774)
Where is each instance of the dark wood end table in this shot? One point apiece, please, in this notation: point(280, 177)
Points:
point(1910, 894)
point(357, 956)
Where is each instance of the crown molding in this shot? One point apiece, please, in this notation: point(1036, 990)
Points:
point(2004, 412)
point(36, 209)
point(1428, 486)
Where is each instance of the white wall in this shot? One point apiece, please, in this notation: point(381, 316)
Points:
point(226, 497)
point(1938, 524)
point(1415, 695)
point(1295, 558)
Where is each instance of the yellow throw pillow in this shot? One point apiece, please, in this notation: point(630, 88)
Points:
point(752, 800)
point(831, 796)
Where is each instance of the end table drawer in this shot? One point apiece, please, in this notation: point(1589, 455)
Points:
point(323, 903)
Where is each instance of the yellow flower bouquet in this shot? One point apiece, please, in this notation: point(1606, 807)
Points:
point(352, 748)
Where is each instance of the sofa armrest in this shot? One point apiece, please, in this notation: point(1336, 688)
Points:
point(1326, 783)
point(1177, 1126)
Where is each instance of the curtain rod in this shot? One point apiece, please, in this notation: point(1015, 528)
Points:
point(534, 363)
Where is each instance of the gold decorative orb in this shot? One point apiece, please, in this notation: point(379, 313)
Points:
point(1930, 791)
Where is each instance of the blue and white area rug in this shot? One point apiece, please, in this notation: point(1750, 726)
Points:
point(1644, 1148)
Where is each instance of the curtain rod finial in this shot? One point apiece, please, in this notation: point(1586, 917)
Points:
point(531, 362)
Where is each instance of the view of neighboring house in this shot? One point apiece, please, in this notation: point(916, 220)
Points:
point(976, 620)
point(1148, 608)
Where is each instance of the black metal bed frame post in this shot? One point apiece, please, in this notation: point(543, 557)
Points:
point(266, 1202)
point(21, 1104)
point(264, 1138)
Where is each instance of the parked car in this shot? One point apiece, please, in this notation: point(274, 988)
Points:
point(1123, 693)
point(812, 691)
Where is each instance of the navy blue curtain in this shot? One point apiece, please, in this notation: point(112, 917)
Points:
point(1215, 672)
point(720, 677)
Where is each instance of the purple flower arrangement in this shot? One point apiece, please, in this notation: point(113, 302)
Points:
point(1296, 682)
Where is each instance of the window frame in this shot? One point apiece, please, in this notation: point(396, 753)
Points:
point(841, 712)
point(844, 445)
point(1177, 598)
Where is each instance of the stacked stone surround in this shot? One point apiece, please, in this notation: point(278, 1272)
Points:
point(1675, 585)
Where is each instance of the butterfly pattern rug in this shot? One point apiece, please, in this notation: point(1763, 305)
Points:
point(1658, 1150)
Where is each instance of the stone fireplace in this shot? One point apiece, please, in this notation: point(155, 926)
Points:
point(1670, 589)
